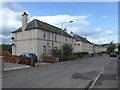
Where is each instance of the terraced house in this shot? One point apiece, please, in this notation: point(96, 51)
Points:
point(82, 44)
point(38, 37)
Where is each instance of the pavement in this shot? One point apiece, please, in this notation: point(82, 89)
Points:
point(72, 74)
point(12, 66)
point(108, 78)
point(7, 66)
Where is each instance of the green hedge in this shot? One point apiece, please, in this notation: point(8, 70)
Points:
point(104, 52)
point(79, 54)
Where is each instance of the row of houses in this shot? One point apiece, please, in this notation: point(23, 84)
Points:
point(39, 37)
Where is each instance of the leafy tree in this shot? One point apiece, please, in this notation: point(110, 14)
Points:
point(6, 47)
point(67, 50)
point(56, 52)
point(111, 47)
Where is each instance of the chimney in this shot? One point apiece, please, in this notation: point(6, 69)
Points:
point(72, 34)
point(65, 30)
point(24, 20)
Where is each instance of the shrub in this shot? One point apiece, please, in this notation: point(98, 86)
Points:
point(104, 52)
point(80, 54)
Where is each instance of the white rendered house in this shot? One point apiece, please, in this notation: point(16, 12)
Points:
point(38, 37)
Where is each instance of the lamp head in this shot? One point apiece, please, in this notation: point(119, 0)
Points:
point(70, 21)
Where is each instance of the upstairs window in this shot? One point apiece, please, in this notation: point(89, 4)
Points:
point(55, 38)
point(44, 35)
point(48, 36)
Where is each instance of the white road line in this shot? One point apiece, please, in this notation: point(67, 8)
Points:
point(92, 86)
point(16, 68)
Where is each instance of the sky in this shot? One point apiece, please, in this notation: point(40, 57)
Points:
point(96, 21)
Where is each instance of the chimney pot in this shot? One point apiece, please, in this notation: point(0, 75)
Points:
point(72, 34)
point(24, 13)
point(24, 21)
point(65, 30)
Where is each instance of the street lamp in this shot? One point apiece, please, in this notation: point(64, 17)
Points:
point(63, 36)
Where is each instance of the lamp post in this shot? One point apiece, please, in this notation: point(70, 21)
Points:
point(62, 26)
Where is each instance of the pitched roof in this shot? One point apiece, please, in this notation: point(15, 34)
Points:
point(37, 24)
point(79, 38)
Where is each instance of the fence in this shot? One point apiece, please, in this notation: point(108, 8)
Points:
point(8, 57)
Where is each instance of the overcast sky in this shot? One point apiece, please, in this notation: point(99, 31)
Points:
point(97, 21)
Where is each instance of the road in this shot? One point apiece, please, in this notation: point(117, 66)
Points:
point(73, 74)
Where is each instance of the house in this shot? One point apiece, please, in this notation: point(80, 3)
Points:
point(38, 37)
point(82, 44)
point(99, 48)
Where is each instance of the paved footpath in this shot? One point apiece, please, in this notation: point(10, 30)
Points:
point(12, 66)
point(108, 77)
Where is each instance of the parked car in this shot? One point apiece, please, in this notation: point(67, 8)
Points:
point(113, 54)
point(29, 55)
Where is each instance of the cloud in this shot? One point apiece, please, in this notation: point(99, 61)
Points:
point(104, 41)
point(109, 32)
point(104, 17)
point(59, 19)
point(98, 29)
point(10, 18)
point(92, 33)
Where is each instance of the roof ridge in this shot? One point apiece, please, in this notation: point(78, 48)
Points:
point(35, 23)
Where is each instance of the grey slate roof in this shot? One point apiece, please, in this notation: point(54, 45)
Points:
point(37, 24)
point(79, 38)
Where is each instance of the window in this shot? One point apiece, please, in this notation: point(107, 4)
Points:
point(55, 38)
point(48, 36)
point(78, 43)
point(44, 35)
point(44, 49)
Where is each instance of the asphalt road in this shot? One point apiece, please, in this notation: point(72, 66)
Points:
point(73, 74)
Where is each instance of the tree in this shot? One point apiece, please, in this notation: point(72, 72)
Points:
point(6, 47)
point(56, 52)
point(67, 50)
point(111, 47)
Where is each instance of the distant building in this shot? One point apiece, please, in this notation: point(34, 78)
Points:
point(82, 44)
point(99, 48)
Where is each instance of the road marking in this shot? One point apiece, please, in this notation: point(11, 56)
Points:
point(16, 68)
point(92, 85)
